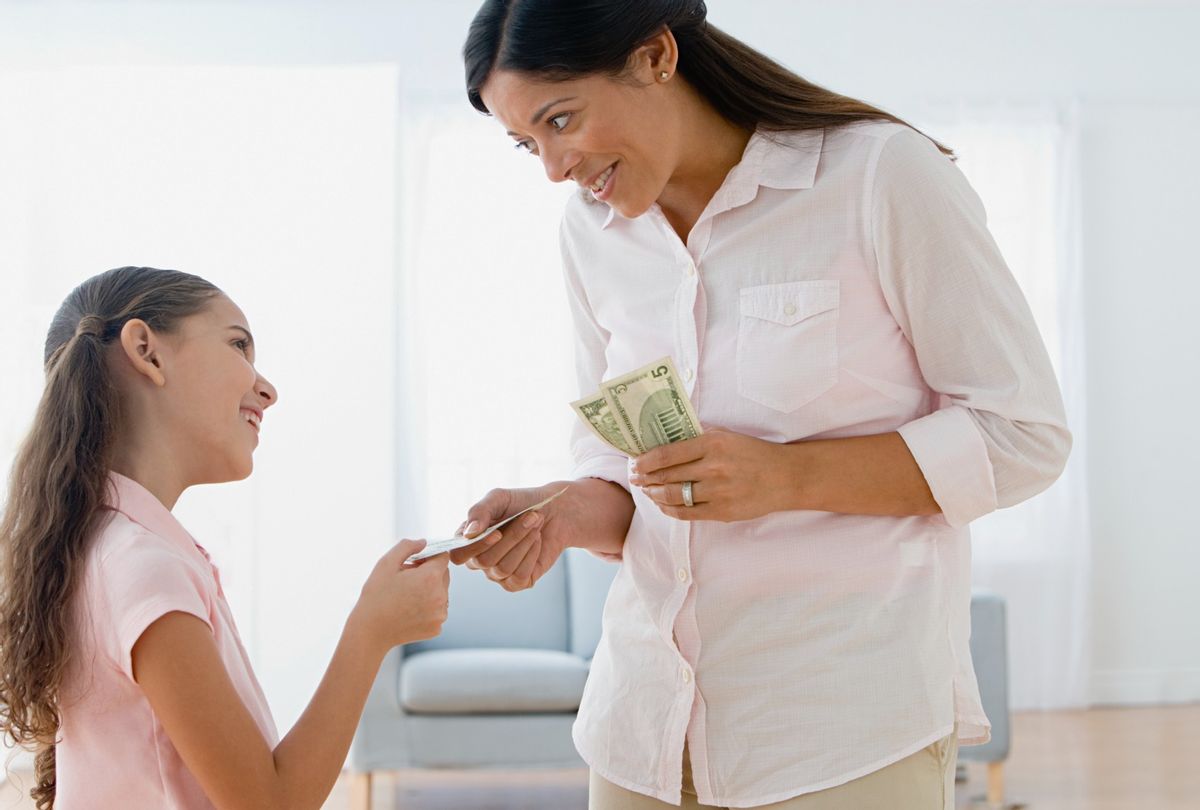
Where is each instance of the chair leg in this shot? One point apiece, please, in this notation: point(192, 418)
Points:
point(995, 783)
point(360, 790)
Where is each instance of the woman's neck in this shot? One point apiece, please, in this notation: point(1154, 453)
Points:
point(710, 147)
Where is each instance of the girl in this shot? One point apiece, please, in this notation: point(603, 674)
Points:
point(789, 626)
point(121, 661)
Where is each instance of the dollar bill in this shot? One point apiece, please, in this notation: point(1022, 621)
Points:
point(597, 415)
point(641, 410)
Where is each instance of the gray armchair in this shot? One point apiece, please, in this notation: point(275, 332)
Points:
point(500, 687)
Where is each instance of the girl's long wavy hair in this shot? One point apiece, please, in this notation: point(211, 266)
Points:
point(57, 493)
point(555, 40)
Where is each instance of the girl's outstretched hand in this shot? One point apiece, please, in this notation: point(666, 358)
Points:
point(402, 603)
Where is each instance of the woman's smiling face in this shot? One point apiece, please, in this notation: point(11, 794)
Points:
point(614, 137)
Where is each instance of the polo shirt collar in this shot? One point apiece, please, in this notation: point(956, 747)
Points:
point(138, 504)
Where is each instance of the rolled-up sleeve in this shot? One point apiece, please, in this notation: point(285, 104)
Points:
point(593, 458)
point(1000, 433)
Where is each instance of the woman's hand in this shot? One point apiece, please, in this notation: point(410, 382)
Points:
point(734, 477)
point(400, 603)
point(591, 514)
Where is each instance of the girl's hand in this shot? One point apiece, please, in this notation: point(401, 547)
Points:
point(734, 477)
point(402, 603)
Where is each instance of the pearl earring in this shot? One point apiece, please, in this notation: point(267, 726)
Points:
point(664, 75)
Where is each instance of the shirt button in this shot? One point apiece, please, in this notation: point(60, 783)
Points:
point(682, 574)
point(687, 375)
point(691, 270)
point(687, 676)
point(790, 309)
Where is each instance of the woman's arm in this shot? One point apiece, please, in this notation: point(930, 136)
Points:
point(740, 477)
point(177, 664)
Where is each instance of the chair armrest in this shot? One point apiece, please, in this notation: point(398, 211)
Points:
point(382, 734)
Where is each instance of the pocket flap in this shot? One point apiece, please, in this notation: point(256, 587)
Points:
point(790, 302)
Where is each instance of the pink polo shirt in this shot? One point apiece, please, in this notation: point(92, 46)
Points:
point(113, 752)
point(839, 283)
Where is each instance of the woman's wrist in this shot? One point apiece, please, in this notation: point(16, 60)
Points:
point(602, 510)
point(798, 479)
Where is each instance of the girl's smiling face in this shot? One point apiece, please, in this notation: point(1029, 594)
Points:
point(221, 398)
point(205, 400)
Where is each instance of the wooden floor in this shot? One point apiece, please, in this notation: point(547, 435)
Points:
point(1102, 759)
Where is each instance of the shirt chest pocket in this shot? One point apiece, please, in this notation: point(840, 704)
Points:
point(787, 353)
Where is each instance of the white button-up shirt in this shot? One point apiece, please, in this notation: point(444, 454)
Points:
point(839, 283)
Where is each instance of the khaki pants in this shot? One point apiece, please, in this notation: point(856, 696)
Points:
point(923, 781)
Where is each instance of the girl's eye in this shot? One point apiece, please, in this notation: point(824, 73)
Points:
point(524, 146)
point(243, 345)
point(559, 121)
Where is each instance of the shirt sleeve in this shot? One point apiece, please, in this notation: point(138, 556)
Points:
point(1000, 434)
point(139, 583)
point(593, 458)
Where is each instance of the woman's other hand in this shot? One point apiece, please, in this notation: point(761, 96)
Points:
point(401, 603)
point(734, 477)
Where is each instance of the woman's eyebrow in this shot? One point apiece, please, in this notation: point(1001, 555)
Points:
point(249, 337)
point(537, 116)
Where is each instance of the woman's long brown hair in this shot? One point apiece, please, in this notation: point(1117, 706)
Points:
point(57, 493)
point(554, 40)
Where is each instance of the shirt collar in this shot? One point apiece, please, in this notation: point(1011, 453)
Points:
point(138, 504)
point(780, 160)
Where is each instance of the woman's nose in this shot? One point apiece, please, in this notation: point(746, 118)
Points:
point(559, 163)
point(266, 392)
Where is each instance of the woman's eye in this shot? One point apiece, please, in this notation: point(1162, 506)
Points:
point(559, 121)
point(523, 146)
point(243, 345)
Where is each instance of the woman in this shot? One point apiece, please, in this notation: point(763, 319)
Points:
point(789, 627)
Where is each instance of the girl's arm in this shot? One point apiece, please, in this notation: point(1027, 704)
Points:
point(178, 666)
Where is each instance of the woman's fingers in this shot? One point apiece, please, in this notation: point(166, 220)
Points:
point(516, 535)
point(690, 471)
point(522, 577)
point(672, 494)
point(468, 553)
point(490, 510)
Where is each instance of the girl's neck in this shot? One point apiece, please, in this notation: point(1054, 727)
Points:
point(154, 471)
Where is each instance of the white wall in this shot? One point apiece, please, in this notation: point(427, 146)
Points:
point(1131, 67)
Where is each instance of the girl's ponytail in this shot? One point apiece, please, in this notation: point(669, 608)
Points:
point(57, 492)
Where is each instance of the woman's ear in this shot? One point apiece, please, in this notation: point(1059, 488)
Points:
point(143, 348)
point(655, 57)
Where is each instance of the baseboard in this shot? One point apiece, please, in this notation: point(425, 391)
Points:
point(1138, 687)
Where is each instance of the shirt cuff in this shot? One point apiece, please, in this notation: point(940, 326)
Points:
point(613, 468)
point(953, 457)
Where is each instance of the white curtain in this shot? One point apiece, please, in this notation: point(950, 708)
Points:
point(279, 185)
point(487, 321)
point(486, 341)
